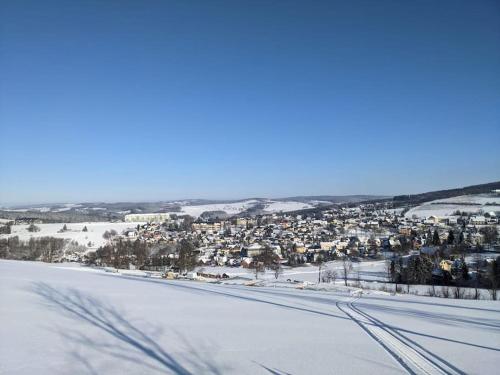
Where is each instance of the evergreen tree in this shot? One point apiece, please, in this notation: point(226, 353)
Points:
point(461, 237)
point(464, 270)
point(435, 238)
point(451, 237)
point(494, 277)
point(5, 229)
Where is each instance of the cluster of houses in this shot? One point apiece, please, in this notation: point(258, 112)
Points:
point(367, 231)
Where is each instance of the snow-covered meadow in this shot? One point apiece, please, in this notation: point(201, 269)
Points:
point(368, 270)
point(286, 206)
point(74, 231)
point(464, 203)
point(55, 320)
point(236, 208)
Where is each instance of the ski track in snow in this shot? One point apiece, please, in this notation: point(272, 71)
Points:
point(413, 357)
point(231, 328)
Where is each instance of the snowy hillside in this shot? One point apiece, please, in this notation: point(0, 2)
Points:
point(287, 206)
point(228, 208)
point(464, 203)
point(267, 206)
point(99, 211)
point(74, 231)
point(55, 320)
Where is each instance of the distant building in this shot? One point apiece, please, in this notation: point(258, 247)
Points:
point(478, 220)
point(446, 265)
point(149, 218)
point(431, 220)
point(327, 245)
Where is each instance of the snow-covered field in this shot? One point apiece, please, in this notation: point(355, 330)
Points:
point(228, 208)
point(239, 207)
point(463, 203)
point(473, 198)
point(94, 231)
point(54, 320)
point(370, 270)
point(286, 206)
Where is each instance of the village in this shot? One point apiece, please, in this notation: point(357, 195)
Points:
point(458, 248)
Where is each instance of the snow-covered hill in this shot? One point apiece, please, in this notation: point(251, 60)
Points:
point(55, 320)
point(236, 208)
point(99, 211)
point(74, 232)
point(474, 203)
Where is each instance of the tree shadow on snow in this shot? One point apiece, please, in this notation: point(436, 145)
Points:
point(123, 340)
point(272, 371)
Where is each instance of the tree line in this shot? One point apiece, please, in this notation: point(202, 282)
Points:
point(419, 270)
point(46, 249)
point(142, 255)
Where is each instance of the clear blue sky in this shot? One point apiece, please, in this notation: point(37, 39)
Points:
point(144, 100)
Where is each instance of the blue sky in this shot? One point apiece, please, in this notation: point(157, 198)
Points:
point(149, 100)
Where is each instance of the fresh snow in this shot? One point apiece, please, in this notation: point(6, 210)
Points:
point(54, 320)
point(286, 206)
point(370, 271)
point(228, 208)
point(74, 232)
point(239, 207)
point(473, 198)
point(465, 203)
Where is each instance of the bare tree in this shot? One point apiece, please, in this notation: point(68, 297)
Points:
point(141, 252)
point(346, 268)
point(319, 261)
point(267, 259)
point(109, 234)
point(5, 229)
point(445, 291)
point(187, 223)
point(490, 234)
point(330, 276)
point(389, 265)
point(358, 279)
point(187, 256)
point(458, 291)
point(431, 291)
point(33, 228)
point(278, 270)
point(258, 268)
point(477, 269)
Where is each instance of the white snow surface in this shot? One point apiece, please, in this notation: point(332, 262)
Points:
point(369, 270)
point(54, 320)
point(239, 207)
point(286, 206)
point(229, 208)
point(473, 198)
point(465, 203)
point(94, 233)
